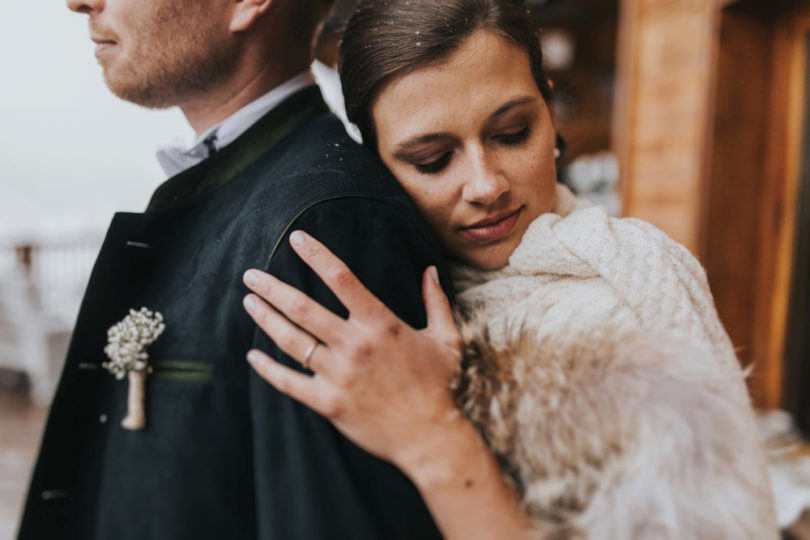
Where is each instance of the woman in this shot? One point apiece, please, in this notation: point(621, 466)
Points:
point(594, 363)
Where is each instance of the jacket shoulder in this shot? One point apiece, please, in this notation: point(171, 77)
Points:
point(321, 159)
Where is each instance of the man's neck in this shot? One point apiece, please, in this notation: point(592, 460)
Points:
point(244, 87)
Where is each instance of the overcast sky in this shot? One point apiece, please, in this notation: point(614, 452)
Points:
point(71, 153)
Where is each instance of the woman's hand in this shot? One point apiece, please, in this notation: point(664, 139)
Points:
point(383, 384)
point(386, 386)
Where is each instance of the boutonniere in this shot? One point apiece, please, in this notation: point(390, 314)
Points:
point(127, 341)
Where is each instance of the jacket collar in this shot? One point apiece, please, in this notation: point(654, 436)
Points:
point(228, 162)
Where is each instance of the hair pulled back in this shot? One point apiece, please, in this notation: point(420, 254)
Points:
point(388, 39)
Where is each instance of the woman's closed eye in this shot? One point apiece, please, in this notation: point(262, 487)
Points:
point(513, 137)
point(433, 166)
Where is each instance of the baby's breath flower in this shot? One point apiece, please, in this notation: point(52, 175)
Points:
point(127, 341)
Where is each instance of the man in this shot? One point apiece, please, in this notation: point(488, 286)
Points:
point(222, 454)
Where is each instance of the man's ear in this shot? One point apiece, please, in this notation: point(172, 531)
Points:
point(245, 13)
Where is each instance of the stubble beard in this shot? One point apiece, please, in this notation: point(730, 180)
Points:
point(163, 65)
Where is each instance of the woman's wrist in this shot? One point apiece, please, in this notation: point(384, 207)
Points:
point(454, 470)
point(445, 453)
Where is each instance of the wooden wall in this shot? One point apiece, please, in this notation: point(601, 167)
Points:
point(706, 132)
point(662, 111)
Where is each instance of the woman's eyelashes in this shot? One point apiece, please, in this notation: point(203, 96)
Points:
point(513, 137)
point(434, 166)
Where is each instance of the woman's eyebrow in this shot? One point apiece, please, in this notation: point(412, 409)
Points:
point(416, 141)
point(512, 104)
point(403, 147)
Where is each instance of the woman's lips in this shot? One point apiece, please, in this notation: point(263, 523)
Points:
point(492, 230)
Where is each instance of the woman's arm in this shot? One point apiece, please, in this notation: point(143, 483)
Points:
point(386, 387)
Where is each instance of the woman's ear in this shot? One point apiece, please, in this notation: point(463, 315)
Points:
point(246, 12)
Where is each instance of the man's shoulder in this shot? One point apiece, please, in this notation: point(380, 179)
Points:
point(320, 159)
point(319, 177)
point(325, 138)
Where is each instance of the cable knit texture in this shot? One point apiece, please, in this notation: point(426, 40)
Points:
point(601, 376)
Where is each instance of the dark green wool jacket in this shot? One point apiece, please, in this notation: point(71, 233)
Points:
point(223, 454)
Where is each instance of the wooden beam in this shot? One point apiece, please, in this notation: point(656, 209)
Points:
point(779, 201)
point(665, 62)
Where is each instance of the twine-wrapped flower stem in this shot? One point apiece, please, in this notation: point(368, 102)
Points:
point(126, 347)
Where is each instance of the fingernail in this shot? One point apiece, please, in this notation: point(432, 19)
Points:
point(250, 303)
point(252, 356)
point(298, 238)
point(434, 274)
point(251, 278)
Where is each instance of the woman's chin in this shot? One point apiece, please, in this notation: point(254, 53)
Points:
point(492, 265)
point(483, 259)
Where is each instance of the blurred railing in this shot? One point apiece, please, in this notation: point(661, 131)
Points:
point(59, 272)
point(41, 287)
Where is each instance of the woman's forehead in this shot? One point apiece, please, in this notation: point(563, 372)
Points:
point(484, 74)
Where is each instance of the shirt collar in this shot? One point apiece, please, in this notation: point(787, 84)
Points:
point(175, 158)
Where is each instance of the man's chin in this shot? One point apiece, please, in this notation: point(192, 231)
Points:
point(143, 95)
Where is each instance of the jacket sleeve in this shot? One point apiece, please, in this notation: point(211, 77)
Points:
point(388, 251)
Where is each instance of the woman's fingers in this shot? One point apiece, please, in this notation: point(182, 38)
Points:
point(289, 338)
point(336, 275)
point(296, 306)
point(441, 324)
point(288, 381)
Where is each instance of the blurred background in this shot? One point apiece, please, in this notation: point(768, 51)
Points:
point(691, 114)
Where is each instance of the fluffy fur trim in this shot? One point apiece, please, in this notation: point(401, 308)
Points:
point(625, 436)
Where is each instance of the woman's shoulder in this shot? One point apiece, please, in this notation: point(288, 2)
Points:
point(580, 238)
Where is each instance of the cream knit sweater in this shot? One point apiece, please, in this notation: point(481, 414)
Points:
point(600, 374)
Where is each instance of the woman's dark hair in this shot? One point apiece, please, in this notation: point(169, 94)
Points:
point(388, 39)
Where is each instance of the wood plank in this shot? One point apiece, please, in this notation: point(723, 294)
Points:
point(789, 260)
point(752, 205)
point(662, 114)
point(736, 176)
point(777, 232)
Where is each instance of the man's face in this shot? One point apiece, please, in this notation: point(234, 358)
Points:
point(160, 53)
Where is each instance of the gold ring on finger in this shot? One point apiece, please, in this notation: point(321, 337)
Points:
point(310, 352)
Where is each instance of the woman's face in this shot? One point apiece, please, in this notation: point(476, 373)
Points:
point(472, 142)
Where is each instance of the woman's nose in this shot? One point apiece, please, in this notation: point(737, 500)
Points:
point(85, 6)
point(486, 182)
